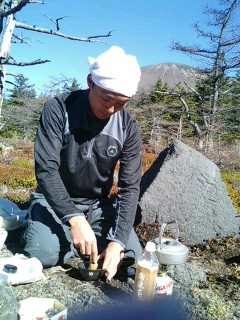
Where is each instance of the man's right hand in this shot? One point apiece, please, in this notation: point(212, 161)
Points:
point(84, 237)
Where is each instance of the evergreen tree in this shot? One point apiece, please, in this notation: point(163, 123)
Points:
point(22, 90)
point(73, 86)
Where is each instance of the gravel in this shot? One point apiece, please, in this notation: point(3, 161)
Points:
point(64, 283)
point(192, 293)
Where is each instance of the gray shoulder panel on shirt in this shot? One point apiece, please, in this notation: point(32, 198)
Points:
point(114, 128)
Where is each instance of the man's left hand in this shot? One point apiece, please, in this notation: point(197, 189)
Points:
point(113, 254)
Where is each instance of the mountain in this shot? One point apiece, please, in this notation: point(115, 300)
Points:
point(170, 73)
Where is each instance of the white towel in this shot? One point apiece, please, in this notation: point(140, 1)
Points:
point(116, 71)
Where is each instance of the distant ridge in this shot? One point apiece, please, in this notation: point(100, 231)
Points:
point(170, 73)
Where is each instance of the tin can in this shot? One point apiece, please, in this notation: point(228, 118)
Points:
point(164, 285)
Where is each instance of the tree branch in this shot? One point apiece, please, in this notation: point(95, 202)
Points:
point(10, 82)
point(101, 36)
point(18, 7)
point(194, 50)
point(204, 34)
point(20, 39)
point(232, 42)
point(23, 64)
point(56, 22)
point(194, 91)
point(2, 125)
point(233, 66)
point(189, 118)
point(58, 34)
point(11, 74)
point(185, 108)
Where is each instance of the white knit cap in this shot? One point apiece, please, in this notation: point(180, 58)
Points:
point(116, 71)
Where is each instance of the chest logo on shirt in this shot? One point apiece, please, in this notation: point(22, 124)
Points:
point(112, 151)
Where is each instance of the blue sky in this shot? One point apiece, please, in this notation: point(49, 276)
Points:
point(145, 28)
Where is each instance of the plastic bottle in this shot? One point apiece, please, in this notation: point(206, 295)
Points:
point(146, 272)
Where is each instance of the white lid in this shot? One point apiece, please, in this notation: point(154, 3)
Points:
point(150, 246)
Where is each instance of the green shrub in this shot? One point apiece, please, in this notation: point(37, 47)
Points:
point(10, 133)
point(14, 177)
point(22, 163)
point(232, 182)
point(1, 149)
point(230, 136)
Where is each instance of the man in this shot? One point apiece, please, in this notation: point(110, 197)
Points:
point(80, 138)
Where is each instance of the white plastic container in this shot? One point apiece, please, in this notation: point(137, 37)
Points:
point(34, 308)
point(28, 269)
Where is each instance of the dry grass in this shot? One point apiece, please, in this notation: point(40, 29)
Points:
point(17, 168)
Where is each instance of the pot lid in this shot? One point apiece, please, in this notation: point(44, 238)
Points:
point(169, 245)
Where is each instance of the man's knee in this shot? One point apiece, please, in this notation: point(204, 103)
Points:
point(42, 243)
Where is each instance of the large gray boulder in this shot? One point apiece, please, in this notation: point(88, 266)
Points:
point(183, 184)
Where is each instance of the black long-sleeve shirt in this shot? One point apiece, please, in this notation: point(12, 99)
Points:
point(75, 158)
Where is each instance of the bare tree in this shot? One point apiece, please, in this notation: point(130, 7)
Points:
point(180, 95)
point(8, 24)
point(58, 84)
point(221, 56)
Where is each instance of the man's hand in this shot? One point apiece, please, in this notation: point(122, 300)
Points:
point(112, 256)
point(84, 237)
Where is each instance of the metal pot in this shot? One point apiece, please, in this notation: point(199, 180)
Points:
point(90, 275)
point(170, 251)
point(94, 275)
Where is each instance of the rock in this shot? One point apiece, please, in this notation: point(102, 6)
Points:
point(9, 304)
point(187, 275)
point(183, 184)
point(4, 150)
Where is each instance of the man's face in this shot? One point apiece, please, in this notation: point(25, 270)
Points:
point(105, 103)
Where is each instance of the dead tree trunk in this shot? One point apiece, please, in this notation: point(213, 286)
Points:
point(5, 50)
point(8, 23)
